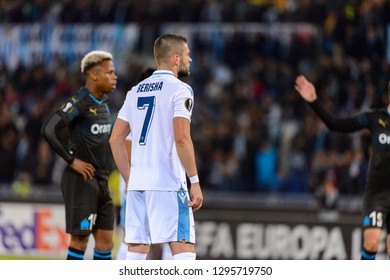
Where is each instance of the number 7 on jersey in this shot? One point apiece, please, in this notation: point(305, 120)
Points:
point(148, 102)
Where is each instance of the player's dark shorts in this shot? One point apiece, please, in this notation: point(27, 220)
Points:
point(376, 207)
point(88, 204)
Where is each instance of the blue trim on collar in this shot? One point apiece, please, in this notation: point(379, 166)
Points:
point(95, 99)
point(162, 72)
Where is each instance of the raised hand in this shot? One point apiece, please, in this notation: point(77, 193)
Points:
point(305, 88)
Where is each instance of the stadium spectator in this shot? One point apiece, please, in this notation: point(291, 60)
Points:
point(9, 140)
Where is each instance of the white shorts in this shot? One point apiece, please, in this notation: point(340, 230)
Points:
point(154, 217)
point(122, 195)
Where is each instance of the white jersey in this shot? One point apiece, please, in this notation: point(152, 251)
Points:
point(149, 109)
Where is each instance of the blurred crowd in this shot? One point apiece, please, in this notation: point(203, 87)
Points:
point(252, 131)
point(157, 11)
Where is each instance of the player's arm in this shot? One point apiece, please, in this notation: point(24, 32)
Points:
point(128, 143)
point(51, 131)
point(128, 149)
point(185, 150)
point(117, 142)
point(307, 91)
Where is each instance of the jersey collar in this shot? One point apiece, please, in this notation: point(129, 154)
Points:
point(162, 72)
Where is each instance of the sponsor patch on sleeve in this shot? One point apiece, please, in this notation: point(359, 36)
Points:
point(67, 108)
point(189, 104)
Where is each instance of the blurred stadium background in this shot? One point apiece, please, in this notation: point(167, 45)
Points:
point(277, 184)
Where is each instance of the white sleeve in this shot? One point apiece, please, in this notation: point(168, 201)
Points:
point(123, 113)
point(129, 137)
point(184, 102)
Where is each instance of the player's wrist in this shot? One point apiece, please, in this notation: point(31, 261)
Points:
point(70, 160)
point(194, 179)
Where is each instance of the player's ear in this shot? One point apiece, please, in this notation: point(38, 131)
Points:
point(92, 74)
point(176, 59)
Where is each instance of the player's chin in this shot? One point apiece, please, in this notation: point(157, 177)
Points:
point(183, 74)
point(113, 87)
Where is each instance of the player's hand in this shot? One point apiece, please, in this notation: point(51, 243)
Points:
point(305, 89)
point(85, 169)
point(196, 197)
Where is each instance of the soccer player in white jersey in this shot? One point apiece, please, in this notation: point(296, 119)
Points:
point(122, 248)
point(158, 112)
point(159, 251)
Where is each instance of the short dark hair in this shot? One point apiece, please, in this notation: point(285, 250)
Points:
point(166, 45)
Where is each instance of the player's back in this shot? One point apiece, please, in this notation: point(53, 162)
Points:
point(151, 107)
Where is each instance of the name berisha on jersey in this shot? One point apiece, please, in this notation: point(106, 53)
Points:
point(150, 87)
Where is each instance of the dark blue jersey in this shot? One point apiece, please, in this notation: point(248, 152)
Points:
point(87, 121)
point(378, 123)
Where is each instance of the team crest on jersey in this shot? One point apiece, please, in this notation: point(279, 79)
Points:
point(67, 108)
point(85, 224)
point(189, 104)
point(382, 122)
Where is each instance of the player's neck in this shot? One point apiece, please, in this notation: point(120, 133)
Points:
point(171, 69)
point(97, 94)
